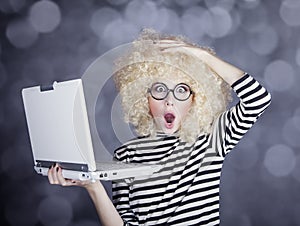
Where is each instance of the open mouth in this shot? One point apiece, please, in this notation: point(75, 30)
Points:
point(169, 117)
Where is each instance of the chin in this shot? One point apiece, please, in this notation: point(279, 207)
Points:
point(170, 131)
point(167, 128)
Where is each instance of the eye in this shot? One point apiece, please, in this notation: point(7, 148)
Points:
point(182, 88)
point(160, 88)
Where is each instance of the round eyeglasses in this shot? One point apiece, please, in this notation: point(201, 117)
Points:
point(160, 91)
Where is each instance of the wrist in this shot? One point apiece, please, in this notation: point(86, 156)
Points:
point(203, 54)
point(94, 187)
point(206, 56)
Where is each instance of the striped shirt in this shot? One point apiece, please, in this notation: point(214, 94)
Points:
point(186, 190)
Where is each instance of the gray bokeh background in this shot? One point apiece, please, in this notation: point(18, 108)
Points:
point(43, 41)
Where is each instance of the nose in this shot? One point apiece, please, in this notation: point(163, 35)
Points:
point(169, 101)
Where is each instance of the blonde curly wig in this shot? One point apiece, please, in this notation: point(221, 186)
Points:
point(146, 63)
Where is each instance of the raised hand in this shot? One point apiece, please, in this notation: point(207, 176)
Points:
point(225, 70)
point(169, 45)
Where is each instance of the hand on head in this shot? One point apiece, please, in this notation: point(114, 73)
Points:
point(170, 45)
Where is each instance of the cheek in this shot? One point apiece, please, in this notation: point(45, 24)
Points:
point(184, 108)
point(154, 107)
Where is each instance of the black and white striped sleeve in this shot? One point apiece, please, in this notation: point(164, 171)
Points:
point(232, 125)
point(120, 192)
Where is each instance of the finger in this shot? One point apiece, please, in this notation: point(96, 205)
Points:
point(173, 48)
point(170, 41)
point(54, 173)
point(62, 181)
point(171, 44)
point(50, 177)
point(66, 182)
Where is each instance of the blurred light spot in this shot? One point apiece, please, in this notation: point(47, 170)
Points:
point(45, 16)
point(141, 13)
point(264, 42)
point(165, 17)
point(21, 34)
point(23, 157)
point(191, 18)
point(218, 22)
point(171, 22)
point(279, 75)
point(21, 206)
point(54, 211)
point(126, 32)
point(280, 160)
point(248, 4)
point(245, 220)
point(225, 4)
point(296, 171)
point(246, 157)
point(289, 12)
point(40, 68)
point(237, 217)
point(42, 188)
point(254, 20)
point(291, 131)
point(187, 3)
point(297, 112)
point(117, 2)
point(15, 109)
point(101, 18)
point(236, 20)
point(17, 5)
point(298, 56)
point(5, 7)
point(9, 6)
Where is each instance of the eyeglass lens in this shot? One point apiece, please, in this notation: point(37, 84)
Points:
point(160, 91)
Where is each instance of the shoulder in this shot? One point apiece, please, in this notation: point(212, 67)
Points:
point(128, 148)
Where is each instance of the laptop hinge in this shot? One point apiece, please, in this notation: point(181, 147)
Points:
point(63, 165)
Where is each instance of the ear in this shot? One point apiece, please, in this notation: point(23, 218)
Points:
point(149, 109)
point(193, 98)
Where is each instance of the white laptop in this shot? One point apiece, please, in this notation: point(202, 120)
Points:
point(59, 132)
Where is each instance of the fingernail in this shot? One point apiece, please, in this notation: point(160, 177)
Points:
point(57, 168)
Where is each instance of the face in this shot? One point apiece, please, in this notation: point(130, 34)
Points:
point(168, 113)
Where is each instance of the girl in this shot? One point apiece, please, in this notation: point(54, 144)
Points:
point(175, 94)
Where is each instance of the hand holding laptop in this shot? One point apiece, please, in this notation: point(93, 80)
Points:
point(96, 191)
point(55, 176)
point(59, 132)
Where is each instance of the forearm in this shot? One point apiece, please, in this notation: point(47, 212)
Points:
point(106, 211)
point(226, 71)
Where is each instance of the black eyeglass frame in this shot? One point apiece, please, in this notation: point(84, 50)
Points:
point(170, 90)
